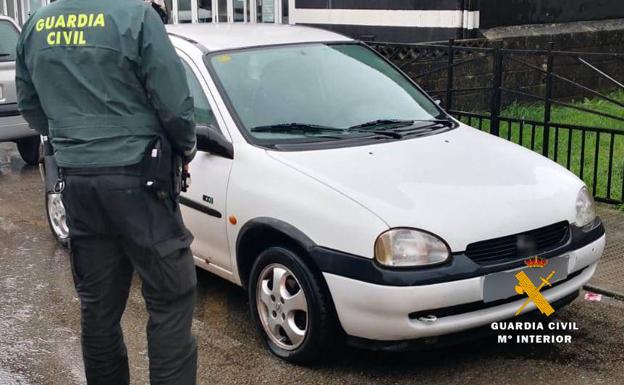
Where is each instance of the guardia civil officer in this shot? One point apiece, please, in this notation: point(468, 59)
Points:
point(102, 80)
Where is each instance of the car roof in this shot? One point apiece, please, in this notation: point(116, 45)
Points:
point(217, 37)
point(2, 17)
point(10, 20)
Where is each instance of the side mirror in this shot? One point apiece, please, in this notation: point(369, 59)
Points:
point(210, 140)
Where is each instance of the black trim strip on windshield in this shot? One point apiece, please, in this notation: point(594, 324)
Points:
point(199, 207)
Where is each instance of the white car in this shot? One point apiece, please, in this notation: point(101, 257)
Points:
point(12, 127)
point(346, 202)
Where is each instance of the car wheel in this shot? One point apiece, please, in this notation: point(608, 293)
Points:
point(291, 307)
point(57, 218)
point(29, 149)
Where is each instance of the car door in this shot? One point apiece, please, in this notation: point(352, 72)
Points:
point(204, 204)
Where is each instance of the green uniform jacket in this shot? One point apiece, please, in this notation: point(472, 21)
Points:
point(102, 79)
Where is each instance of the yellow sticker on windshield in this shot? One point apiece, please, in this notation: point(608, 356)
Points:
point(224, 58)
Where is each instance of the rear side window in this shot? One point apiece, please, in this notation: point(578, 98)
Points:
point(8, 40)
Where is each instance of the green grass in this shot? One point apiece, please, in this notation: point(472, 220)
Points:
point(582, 163)
point(573, 116)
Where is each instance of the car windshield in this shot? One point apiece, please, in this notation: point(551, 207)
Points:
point(8, 41)
point(313, 91)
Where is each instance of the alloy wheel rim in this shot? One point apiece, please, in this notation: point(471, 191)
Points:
point(56, 213)
point(282, 306)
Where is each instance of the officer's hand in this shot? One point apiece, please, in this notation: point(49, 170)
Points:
point(187, 156)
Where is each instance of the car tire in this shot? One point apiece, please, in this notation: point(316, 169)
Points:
point(29, 149)
point(320, 326)
point(57, 219)
point(55, 213)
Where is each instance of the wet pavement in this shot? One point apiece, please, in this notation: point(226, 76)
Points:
point(608, 278)
point(40, 325)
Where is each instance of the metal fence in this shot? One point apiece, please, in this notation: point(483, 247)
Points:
point(595, 154)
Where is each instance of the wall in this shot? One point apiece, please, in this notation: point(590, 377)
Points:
point(582, 36)
point(391, 20)
point(430, 20)
point(516, 12)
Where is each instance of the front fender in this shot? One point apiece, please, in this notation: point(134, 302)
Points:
point(263, 187)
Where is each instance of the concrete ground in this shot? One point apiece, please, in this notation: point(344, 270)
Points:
point(608, 278)
point(40, 325)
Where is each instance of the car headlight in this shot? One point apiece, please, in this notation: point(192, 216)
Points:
point(585, 209)
point(408, 247)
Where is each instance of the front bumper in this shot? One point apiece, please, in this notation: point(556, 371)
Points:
point(382, 312)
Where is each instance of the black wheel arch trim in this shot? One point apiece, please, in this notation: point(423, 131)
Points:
point(278, 225)
point(274, 224)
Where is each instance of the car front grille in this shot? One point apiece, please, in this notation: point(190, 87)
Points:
point(512, 247)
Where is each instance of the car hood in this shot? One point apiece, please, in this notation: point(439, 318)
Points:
point(463, 185)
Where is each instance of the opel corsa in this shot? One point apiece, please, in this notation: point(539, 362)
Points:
point(347, 203)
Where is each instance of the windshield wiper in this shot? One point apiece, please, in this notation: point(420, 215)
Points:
point(5, 54)
point(295, 127)
point(397, 127)
point(420, 125)
point(384, 122)
point(392, 134)
point(314, 128)
point(444, 122)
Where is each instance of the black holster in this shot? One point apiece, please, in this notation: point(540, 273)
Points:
point(162, 169)
point(52, 176)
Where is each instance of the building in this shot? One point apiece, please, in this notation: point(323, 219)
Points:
point(381, 20)
point(394, 20)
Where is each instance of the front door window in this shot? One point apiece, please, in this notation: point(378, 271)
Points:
point(203, 111)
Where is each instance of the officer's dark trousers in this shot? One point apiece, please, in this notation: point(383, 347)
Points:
point(116, 227)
